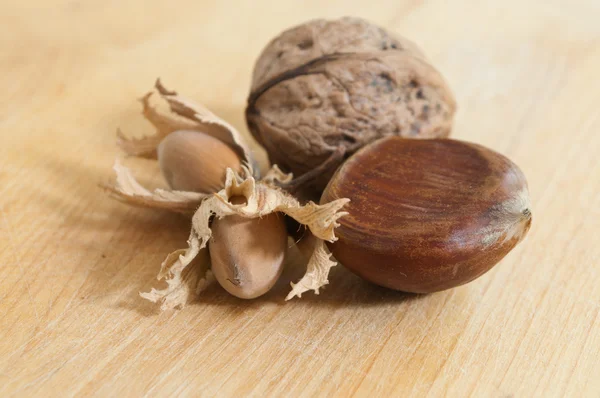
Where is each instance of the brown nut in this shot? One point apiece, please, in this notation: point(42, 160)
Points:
point(196, 162)
point(427, 215)
point(247, 254)
point(324, 89)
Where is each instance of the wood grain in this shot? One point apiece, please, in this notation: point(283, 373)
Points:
point(72, 261)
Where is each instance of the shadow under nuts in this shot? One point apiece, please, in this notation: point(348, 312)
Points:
point(427, 215)
point(324, 89)
point(196, 162)
point(247, 254)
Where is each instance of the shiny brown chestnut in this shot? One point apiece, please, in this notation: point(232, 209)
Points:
point(427, 215)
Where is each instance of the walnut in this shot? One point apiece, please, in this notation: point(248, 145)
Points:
point(324, 89)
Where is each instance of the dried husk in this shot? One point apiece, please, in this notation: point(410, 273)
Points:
point(324, 89)
point(128, 190)
point(187, 270)
point(262, 199)
point(185, 115)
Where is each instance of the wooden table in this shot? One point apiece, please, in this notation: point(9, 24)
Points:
point(72, 261)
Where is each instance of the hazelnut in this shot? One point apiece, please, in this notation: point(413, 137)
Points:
point(247, 254)
point(324, 89)
point(427, 215)
point(196, 162)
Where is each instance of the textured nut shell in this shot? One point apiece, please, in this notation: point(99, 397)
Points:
point(342, 83)
point(195, 162)
point(427, 215)
point(300, 44)
point(247, 254)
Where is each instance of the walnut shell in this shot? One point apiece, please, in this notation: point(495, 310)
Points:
point(324, 89)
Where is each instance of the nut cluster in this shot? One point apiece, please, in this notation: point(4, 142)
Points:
point(360, 119)
point(238, 219)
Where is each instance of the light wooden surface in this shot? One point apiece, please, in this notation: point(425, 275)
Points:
point(525, 74)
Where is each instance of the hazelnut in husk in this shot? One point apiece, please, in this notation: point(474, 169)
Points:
point(427, 215)
point(238, 219)
point(324, 89)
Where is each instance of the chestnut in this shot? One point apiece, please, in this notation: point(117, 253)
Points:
point(427, 215)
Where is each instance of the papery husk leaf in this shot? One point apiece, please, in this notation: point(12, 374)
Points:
point(317, 271)
point(128, 190)
point(276, 176)
point(185, 271)
point(164, 125)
